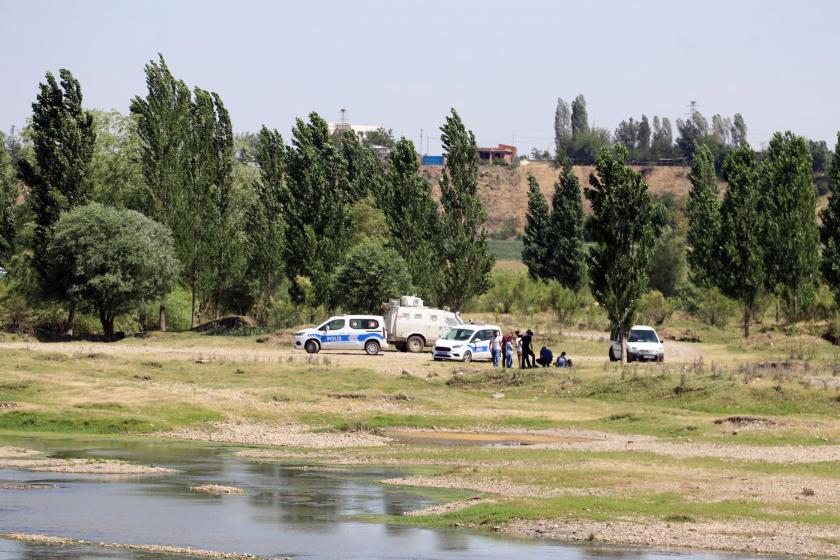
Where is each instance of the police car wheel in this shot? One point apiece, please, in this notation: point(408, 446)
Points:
point(467, 356)
point(612, 356)
point(415, 343)
point(311, 347)
point(372, 347)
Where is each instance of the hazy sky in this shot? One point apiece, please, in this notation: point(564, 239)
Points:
point(403, 65)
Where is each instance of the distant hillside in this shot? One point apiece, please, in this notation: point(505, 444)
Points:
point(505, 191)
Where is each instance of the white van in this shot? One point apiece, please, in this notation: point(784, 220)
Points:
point(345, 332)
point(411, 325)
point(465, 343)
point(642, 344)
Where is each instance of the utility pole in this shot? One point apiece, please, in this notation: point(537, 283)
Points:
point(420, 145)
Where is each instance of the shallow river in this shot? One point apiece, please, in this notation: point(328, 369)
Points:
point(285, 512)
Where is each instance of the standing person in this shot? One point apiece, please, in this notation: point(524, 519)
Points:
point(509, 353)
point(527, 351)
point(496, 348)
point(505, 352)
point(518, 349)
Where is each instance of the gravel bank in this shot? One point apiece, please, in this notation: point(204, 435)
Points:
point(733, 536)
point(286, 435)
point(218, 490)
point(82, 466)
point(156, 549)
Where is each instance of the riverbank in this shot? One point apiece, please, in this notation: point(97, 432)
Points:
point(735, 447)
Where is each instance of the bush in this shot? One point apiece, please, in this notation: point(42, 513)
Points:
point(178, 310)
point(565, 302)
point(833, 332)
point(371, 274)
point(655, 308)
point(716, 309)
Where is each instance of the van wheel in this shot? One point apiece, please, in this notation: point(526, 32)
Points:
point(612, 356)
point(311, 347)
point(467, 357)
point(372, 347)
point(415, 343)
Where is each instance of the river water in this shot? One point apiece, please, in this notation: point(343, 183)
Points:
point(285, 512)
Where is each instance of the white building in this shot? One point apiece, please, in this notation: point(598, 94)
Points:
point(360, 129)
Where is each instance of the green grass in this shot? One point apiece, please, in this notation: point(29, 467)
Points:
point(505, 249)
point(96, 419)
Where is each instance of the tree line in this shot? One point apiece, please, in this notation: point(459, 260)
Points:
point(108, 214)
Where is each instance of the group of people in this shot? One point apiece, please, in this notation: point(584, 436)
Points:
point(502, 349)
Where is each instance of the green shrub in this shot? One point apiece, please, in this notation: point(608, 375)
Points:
point(565, 302)
point(178, 310)
point(716, 309)
point(655, 308)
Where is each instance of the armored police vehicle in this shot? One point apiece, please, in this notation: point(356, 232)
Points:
point(411, 325)
point(345, 332)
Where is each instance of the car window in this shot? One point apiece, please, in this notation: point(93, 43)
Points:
point(333, 325)
point(483, 335)
point(642, 336)
point(459, 334)
point(364, 324)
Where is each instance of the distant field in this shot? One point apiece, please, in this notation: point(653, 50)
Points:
point(506, 250)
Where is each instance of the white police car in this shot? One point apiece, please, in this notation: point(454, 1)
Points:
point(465, 343)
point(345, 332)
point(643, 344)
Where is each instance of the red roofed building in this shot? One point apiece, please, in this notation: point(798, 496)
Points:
point(504, 152)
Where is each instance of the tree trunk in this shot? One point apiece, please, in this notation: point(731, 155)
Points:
point(192, 287)
point(162, 318)
point(795, 304)
point(107, 325)
point(746, 320)
point(622, 335)
point(70, 325)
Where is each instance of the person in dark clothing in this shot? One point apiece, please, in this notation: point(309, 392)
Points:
point(546, 356)
point(528, 356)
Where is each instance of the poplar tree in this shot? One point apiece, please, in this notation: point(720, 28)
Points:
point(163, 125)
point(412, 216)
point(791, 238)
point(580, 118)
point(535, 248)
point(468, 263)
point(624, 225)
point(739, 130)
point(8, 201)
point(63, 140)
point(565, 259)
point(830, 231)
point(562, 130)
point(216, 240)
point(741, 273)
point(265, 224)
point(703, 218)
point(317, 207)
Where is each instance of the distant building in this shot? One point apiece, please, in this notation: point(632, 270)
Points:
point(360, 129)
point(503, 152)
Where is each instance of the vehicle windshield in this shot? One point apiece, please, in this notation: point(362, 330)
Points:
point(642, 336)
point(459, 334)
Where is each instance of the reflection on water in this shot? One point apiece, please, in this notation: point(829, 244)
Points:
point(285, 511)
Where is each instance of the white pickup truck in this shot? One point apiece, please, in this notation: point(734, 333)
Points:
point(411, 326)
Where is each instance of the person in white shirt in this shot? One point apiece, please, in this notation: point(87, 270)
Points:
point(496, 348)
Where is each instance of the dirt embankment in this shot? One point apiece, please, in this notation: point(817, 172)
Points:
point(504, 191)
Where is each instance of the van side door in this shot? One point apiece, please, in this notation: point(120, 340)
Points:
point(362, 330)
point(333, 335)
